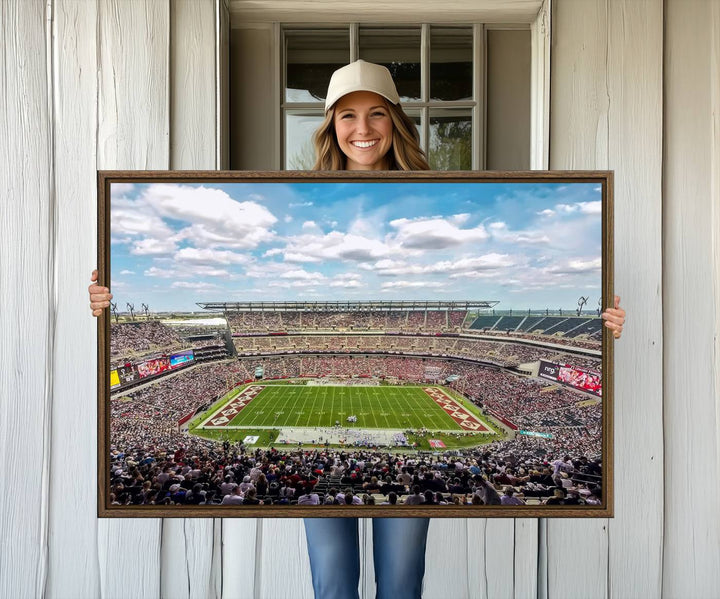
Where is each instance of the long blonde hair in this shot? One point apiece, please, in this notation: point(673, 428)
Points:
point(404, 155)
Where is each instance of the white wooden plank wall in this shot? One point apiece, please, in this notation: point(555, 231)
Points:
point(577, 550)
point(692, 314)
point(190, 568)
point(26, 302)
point(133, 131)
point(134, 85)
point(73, 555)
point(606, 112)
point(635, 48)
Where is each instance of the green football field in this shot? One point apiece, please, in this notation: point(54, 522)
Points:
point(379, 407)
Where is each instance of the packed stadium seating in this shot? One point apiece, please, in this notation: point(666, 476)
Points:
point(153, 462)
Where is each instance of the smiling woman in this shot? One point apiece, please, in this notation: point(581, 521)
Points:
point(364, 131)
point(363, 117)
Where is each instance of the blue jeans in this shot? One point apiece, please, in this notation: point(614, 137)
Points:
point(398, 551)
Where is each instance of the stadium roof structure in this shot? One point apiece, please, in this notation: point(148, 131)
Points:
point(346, 306)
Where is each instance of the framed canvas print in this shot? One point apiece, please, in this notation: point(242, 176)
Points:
point(355, 344)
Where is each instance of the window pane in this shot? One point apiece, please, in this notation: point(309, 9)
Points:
point(399, 51)
point(311, 58)
point(414, 115)
point(299, 149)
point(451, 55)
point(450, 145)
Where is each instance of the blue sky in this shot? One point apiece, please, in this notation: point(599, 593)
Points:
point(526, 245)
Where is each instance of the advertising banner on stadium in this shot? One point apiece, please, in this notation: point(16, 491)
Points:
point(587, 380)
point(182, 358)
point(580, 378)
point(548, 370)
point(155, 366)
point(536, 434)
point(114, 379)
point(127, 374)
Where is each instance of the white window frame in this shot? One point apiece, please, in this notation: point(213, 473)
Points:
point(535, 15)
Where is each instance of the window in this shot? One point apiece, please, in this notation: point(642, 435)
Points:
point(434, 67)
point(468, 88)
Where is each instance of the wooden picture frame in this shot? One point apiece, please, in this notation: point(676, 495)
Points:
point(364, 289)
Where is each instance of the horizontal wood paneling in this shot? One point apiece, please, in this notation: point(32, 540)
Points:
point(384, 11)
point(26, 301)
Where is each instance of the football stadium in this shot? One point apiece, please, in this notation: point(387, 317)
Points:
point(356, 403)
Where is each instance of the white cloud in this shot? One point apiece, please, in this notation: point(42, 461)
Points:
point(577, 266)
point(546, 212)
point(581, 207)
point(118, 190)
point(163, 273)
point(334, 246)
point(347, 276)
point(150, 246)
point(292, 284)
point(347, 284)
point(202, 270)
point(288, 218)
point(434, 233)
point(300, 204)
point(501, 232)
point(310, 225)
point(216, 220)
point(411, 285)
point(459, 219)
point(127, 272)
point(349, 280)
point(134, 218)
point(210, 257)
point(464, 265)
point(303, 275)
point(199, 286)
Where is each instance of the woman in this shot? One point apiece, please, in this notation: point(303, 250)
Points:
point(365, 129)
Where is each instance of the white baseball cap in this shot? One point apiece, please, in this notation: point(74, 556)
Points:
point(361, 76)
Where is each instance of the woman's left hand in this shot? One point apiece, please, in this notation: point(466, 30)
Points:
point(615, 318)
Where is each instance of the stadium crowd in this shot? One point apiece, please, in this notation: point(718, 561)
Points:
point(190, 471)
point(153, 462)
point(504, 353)
point(132, 339)
point(258, 321)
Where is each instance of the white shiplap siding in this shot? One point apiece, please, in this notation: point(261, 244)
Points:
point(133, 132)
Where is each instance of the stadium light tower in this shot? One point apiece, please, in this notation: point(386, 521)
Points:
point(581, 302)
point(131, 309)
point(146, 311)
point(113, 307)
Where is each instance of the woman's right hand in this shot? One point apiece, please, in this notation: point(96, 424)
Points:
point(99, 296)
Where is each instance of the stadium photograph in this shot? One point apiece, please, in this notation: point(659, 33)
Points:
point(330, 346)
